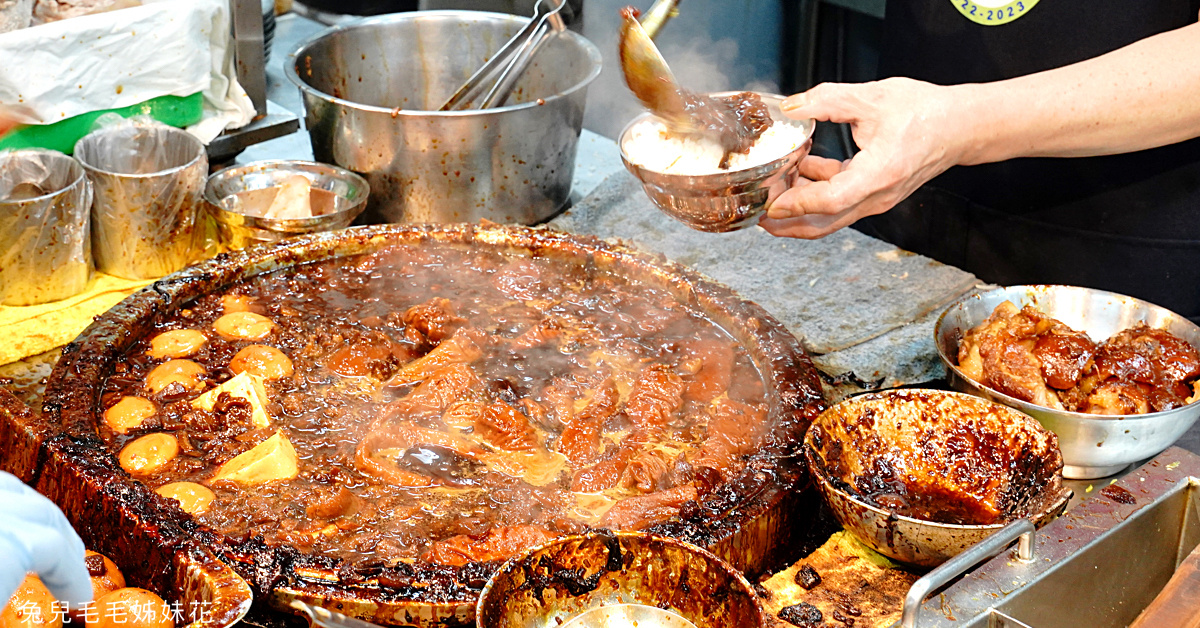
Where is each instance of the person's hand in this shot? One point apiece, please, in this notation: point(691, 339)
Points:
point(35, 537)
point(906, 134)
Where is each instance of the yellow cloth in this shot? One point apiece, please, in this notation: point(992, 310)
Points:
point(33, 329)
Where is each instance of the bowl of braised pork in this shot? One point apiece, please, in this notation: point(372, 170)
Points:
point(1115, 377)
point(373, 419)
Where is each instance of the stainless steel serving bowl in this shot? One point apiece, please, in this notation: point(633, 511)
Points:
point(956, 436)
point(1093, 446)
point(371, 89)
point(633, 574)
point(724, 201)
point(238, 230)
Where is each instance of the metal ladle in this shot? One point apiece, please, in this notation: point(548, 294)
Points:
point(510, 61)
point(646, 71)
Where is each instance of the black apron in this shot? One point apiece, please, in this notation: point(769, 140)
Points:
point(1125, 223)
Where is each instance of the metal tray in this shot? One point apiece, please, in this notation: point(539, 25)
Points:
point(1098, 566)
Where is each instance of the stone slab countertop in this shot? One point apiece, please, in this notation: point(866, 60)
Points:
point(863, 308)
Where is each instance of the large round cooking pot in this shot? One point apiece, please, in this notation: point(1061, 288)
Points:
point(757, 520)
point(371, 91)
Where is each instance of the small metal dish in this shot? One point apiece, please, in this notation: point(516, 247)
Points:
point(630, 574)
point(975, 453)
point(1093, 446)
point(724, 201)
point(237, 230)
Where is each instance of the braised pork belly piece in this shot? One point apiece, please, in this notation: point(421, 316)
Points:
point(1027, 355)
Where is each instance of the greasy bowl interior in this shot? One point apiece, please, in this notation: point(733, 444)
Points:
point(723, 201)
point(1093, 446)
point(922, 474)
point(551, 584)
point(751, 520)
point(238, 230)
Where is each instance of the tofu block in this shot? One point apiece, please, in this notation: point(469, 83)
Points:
point(271, 460)
point(291, 202)
point(244, 386)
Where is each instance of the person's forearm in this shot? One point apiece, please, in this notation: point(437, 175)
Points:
point(1141, 96)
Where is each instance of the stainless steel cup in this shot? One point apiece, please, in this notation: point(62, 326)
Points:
point(149, 185)
point(45, 251)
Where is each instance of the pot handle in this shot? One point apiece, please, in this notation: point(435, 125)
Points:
point(955, 567)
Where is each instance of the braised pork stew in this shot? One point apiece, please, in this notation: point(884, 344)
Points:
point(435, 403)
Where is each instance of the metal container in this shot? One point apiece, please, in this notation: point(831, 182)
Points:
point(953, 435)
point(757, 521)
point(576, 575)
point(370, 91)
point(45, 248)
point(149, 186)
point(725, 201)
point(1093, 446)
point(238, 230)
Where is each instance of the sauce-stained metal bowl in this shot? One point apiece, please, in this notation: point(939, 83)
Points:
point(722, 201)
point(970, 455)
point(345, 194)
point(550, 585)
point(1093, 446)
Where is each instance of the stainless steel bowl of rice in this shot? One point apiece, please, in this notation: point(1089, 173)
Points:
point(681, 173)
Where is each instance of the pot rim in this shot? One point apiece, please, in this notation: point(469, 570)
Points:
point(54, 154)
point(293, 75)
point(183, 134)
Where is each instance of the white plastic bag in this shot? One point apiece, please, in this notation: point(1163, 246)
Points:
point(59, 70)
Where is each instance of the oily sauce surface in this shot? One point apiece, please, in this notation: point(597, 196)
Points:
point(453, 405)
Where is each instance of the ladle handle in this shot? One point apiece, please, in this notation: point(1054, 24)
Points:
point(955, 567)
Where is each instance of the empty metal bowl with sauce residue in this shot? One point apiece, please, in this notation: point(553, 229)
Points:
point(921, 475)
point(601, 579)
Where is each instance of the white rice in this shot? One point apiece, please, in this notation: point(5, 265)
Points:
point(651, 146)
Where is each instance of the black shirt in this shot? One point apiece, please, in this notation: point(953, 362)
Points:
point(1127, 223)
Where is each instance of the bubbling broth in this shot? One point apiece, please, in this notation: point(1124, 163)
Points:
point(435, 403)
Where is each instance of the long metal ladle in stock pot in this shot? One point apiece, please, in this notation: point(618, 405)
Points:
point(506, 66)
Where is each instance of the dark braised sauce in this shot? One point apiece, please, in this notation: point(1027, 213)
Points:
point(736, 121)
point(1118, 494)
point(454, 405)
